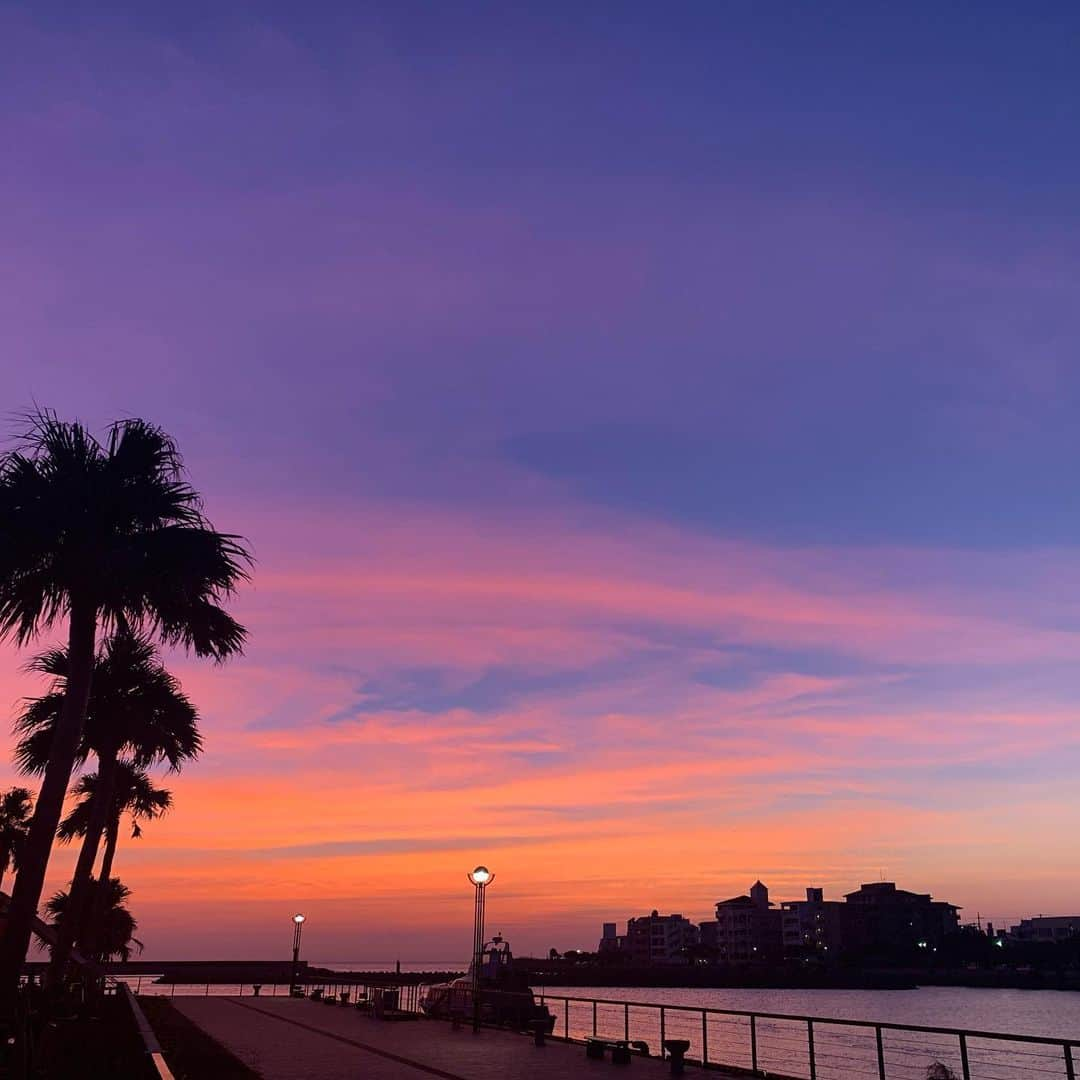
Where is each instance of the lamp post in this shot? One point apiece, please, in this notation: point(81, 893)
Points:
point(298, 929)
point(481, 878)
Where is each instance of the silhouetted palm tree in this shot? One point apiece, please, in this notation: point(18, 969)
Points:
point(135, 707)
point(16, 805)
point(133, 793)
point(120, 925)
point(106, 535)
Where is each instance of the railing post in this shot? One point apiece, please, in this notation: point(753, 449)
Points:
point(566, 1018)
point(207, 994)
point(662, 1033)
point(964, 1057)
point(594, 1019)
point(753, 1044)
point(810, 1047)
point(880, 1054)
point(626, 1021)
point(1070, 1070)
point(704, 1037)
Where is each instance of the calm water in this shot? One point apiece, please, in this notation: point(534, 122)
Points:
point(1019, 1012)
point(1051, 1013)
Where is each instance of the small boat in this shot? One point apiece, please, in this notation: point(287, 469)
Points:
point(505, 997)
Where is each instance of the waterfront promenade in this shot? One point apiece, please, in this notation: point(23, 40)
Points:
point(291, 1039)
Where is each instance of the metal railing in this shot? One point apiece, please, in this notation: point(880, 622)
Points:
point(408, 994)
point(817, 1048)
point(778, 1045)
point(156, 1066)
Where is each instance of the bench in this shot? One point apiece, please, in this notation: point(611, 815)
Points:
point(676, 1050)
point(620, 1049)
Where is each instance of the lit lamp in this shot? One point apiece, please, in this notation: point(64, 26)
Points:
point(298, 929)
point(481, 878)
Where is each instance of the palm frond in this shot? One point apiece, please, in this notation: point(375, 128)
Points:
point(134, 792)
point(119, 926)
point(118, 525)
point(136, 707)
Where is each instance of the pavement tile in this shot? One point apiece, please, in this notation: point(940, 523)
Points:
point(290, 1039)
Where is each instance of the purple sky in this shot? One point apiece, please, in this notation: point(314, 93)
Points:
point(705, 369)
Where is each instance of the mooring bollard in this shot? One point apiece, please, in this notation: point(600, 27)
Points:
point(256, 989)
point(676, 1049)
point(539, 1031)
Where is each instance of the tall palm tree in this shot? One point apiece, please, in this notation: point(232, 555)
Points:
point(134, 793)
point(103, 534)
point(16, 805)
point(135, 707)
point(120, 925)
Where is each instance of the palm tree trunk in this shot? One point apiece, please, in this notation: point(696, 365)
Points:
point(110, 849)
point(30, 879)
point(72, 922)
point(5, 858)
point(93, 942)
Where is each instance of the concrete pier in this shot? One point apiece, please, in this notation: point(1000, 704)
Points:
point(295, 1039)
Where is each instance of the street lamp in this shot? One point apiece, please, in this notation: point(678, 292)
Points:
point(298, 929)
point(481, 878)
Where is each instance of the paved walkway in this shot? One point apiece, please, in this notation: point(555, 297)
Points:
point(290, 1039)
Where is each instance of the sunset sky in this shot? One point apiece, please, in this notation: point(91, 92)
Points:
point(656, 425)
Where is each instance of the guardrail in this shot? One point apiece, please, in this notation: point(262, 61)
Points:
point(155, 1059)
point(778, 1045)
point(408, 993)
point(819, 1048)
